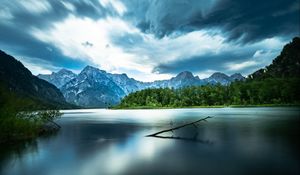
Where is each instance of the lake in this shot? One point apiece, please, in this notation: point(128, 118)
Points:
point(99, 141)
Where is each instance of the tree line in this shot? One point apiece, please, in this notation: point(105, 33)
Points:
point(250, 92)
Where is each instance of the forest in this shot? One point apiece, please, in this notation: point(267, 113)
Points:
point(251, 92)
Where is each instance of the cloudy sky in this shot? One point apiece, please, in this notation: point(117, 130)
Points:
point(148, 39)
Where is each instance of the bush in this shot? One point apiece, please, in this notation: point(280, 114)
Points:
point(26, 125)
point(18, 122)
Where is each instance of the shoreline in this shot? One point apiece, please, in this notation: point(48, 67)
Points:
point(213, 106)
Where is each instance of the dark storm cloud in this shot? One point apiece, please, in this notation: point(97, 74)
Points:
point(17, 42)
point(240, 22)
point(243, 20)
point(15, 34)
point(203, 63)
point(58, 11)
point(220, 62)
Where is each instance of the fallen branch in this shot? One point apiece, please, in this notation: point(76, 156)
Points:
point(178, 127)
point(184, 138)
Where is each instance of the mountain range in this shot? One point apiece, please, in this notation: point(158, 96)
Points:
point(93, 87)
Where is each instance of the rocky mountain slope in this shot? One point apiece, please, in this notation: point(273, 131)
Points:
point(59, 78)
point(97, 88)
point(17, 79)
point(92, 88)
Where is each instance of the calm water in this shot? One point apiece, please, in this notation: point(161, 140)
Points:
point(95, 142)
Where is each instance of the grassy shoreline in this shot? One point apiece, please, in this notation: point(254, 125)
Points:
point(22, 126)
point(213, 106)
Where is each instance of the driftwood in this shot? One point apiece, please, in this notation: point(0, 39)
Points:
point(177, 127)
point(184, 139)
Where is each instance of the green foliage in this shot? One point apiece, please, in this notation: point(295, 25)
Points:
point(17, 122)
point(285, 65)
point(267, 91)
point(25, 125)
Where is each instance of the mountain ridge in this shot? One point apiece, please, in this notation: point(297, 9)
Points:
point(94, 87)
point(181, 75)
point(58, 78)
point(17, 79)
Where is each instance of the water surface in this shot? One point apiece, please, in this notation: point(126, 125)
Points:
point(94, 142)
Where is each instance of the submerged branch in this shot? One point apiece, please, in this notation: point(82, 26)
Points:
point(184, 138)
point(177, 127)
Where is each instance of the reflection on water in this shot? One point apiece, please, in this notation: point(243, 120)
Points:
point(234, 141)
